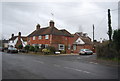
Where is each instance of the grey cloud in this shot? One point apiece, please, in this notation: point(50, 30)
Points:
point(24, 16)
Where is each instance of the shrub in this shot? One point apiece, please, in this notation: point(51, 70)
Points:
point(51, 48)
point(46, 51)
point(31, 48)
point(116, 39)
point(42, 46)
point(62, 51)
point(36, 48)
point(105, 50)
point(20, 46)
point(27, 47)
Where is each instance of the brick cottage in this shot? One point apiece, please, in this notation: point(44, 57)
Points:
point(81, 41)
point(60, 39)
point(50, 36)
point(15, 41)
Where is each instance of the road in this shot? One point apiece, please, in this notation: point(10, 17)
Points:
point(23, 66)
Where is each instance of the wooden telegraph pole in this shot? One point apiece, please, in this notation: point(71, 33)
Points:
point(93, 32)
point(93, 39)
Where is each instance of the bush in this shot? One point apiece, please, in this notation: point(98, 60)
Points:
point(105, 50)
point(20, 46)
point(27, 47)
point(62, 52)
point(116, 39)
point(36, 48)
point(52, 49)
point(46, 51)
point(31, 48)
point(42, 46)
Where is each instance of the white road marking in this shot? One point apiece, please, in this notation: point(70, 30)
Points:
point(78, 58)
point(56, 65)
point(87, 56)
point(93, 63)
point(86, 71)
point(76, 69)
point(67, 68)
point(40, 62)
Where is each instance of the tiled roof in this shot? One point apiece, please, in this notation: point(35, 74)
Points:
point(49, 30)
point(4, 41)
point(24, 38)
point(86, 40)
point(37, 32)
point(13, 38)
point(66, 32)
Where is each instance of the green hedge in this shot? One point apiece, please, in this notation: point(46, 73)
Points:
point(110, 49)
point(106, 51)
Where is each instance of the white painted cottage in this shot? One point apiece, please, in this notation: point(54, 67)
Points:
point(15, 41)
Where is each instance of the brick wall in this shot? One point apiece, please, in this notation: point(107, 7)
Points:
point(38, 41)
point(78, 47)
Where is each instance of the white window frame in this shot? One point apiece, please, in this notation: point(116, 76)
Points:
point(34, 37)
point(63, 48)
point(46, 45)
point(33, 44)
point(40, 37)
point(74, 47)
point(11, 41)
point(46, 36)
point(39, 45)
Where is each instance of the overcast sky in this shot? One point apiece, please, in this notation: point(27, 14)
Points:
point(72, 16)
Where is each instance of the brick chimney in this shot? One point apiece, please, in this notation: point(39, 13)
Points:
point(38, 27)
point(19, 34)
point(85, 34)
point(51, 23)
point(12, 35)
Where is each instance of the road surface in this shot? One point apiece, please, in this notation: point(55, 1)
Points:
point(26, 66)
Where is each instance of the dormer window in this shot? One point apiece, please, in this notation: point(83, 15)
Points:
point(40, 37)
point(46, 36)
point(33, 37)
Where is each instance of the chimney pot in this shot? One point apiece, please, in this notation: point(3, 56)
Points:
point(19, 34)
point(38, 27)
point(51, 23)
point(12, 35)
point(85, 34)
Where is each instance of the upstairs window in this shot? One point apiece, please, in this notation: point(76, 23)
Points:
point(33, 37)
point(40, 37)
point(46, 36)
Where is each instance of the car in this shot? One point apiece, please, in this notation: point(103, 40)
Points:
point(2, 49)
point(22, 50)
point(12, 50)
point(85, 52)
